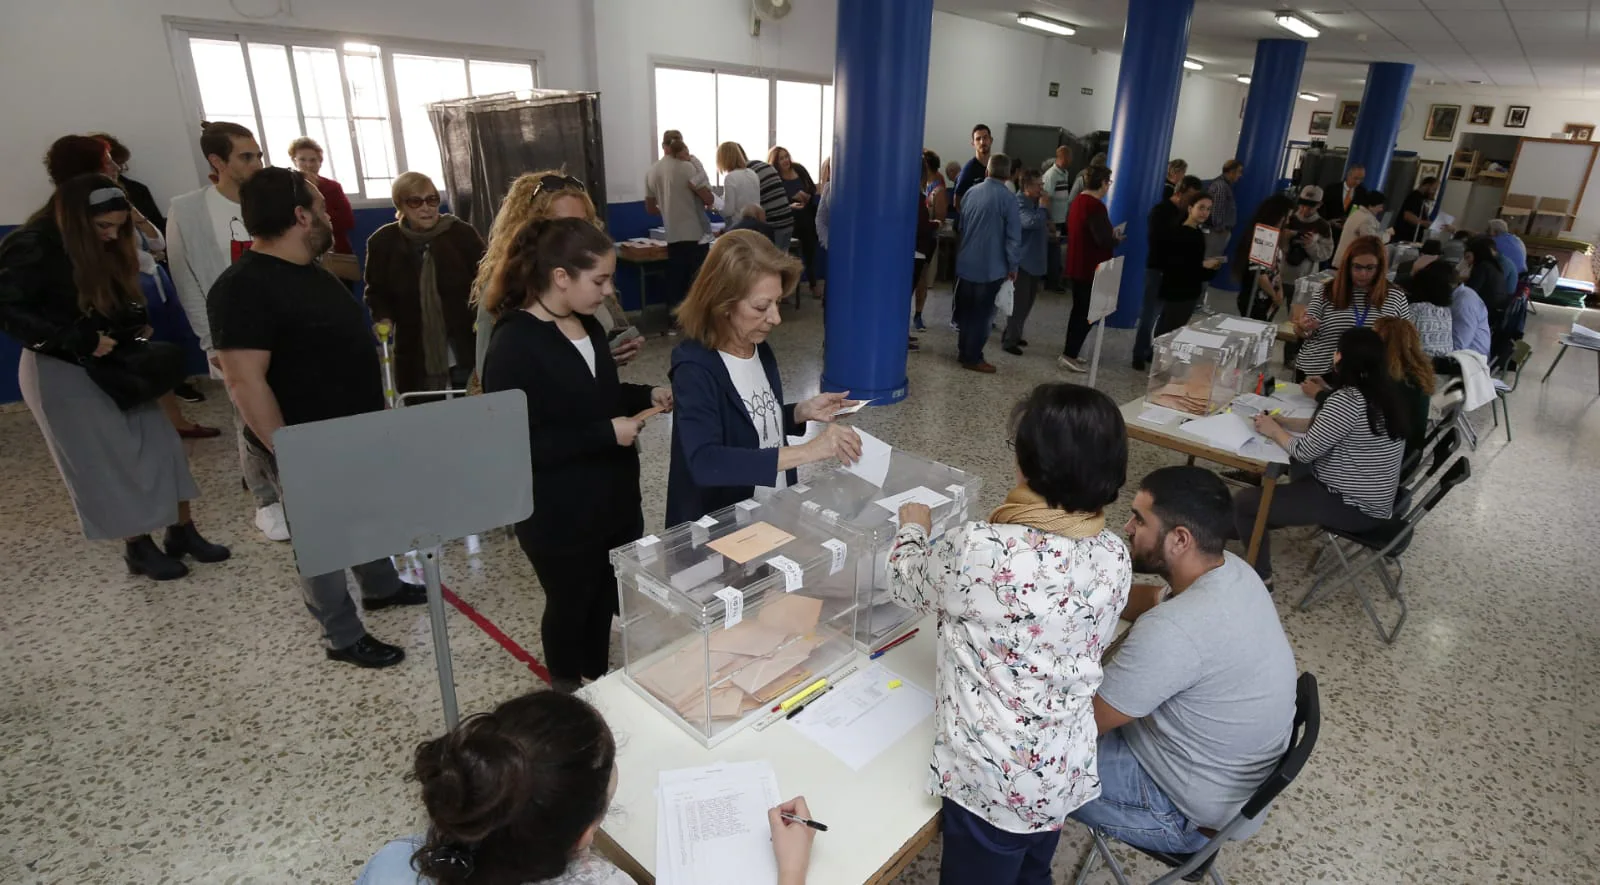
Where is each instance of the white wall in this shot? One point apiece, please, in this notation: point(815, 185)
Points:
point(109, 68)
point(1545, 116)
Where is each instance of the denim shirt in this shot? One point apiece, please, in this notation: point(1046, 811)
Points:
point(1035, 235)
point(991, 233)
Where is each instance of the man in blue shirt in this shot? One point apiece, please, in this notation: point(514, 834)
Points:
point(1033, 208)
point(988, 254)
point(1509, 245)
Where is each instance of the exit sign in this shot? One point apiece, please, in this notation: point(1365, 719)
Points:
point(1086, 91)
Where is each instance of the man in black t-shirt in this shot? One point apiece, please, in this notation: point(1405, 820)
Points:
point(1414, 222)
point(295, 347)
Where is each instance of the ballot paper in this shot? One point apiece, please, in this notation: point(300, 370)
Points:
point(751, 541)
point(918, 495)
point(873, 465)
point(861, 717)
point(851, 407)
point(711, 825)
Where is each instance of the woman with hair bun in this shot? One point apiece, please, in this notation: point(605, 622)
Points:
point(582, 424)
point(516, 796)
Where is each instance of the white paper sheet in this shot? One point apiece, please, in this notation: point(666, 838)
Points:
point(1444, 220)
point(918, 495)
point(712, 827)
point(874, 463)
point(1235, 324)
point(1225, 431)
point(1200, 339)
point(861, 717)
point(1162, 415)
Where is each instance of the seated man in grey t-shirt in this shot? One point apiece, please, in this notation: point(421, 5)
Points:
point(1198, 704)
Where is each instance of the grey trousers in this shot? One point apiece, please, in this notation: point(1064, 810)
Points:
point(327, 596)
point(1025, 290)
point(260, 476)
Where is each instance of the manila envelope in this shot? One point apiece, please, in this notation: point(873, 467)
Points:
point(751, 541)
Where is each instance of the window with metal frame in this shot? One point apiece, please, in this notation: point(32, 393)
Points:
point(712, 104)
point(365, 101)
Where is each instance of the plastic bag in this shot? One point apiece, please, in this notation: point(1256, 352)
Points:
point(1005, 300)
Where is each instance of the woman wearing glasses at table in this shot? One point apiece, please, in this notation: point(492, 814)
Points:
point(536, 195)
point(1357, 297)
point(419, 278)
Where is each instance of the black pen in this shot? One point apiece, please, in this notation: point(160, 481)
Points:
point(797, 819)
point(809, 701)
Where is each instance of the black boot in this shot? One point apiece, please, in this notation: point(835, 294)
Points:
point(145, 558)
point(184, 539)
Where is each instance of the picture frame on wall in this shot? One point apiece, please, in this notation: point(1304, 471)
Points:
point(1442, 120)
point(1580, 131)
point(1482, 115)
point(1430, 169)
point(1348, 111)
point(1321, 122)
point(1517, 116)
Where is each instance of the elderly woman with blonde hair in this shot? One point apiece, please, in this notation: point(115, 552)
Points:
point(419, 276)
point(550, 193)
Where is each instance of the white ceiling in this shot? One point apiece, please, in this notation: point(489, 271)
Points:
point(1514, 47)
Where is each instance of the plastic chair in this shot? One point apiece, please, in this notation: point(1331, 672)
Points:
point(1376, 550)
point(1520, 354)
point(1201, 864)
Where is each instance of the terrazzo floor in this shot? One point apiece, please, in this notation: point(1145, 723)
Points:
point(193, 733)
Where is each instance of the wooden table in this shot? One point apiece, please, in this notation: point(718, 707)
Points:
point(879, 818)
point(645, 267)
point(1174, 438)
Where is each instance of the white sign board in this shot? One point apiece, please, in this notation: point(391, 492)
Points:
point(1264, 246)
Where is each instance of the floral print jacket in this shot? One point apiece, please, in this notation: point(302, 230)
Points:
point(1023, 617)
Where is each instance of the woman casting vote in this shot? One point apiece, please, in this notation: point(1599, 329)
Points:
point(730, 422)
point(582, 423)
point(1351, 450)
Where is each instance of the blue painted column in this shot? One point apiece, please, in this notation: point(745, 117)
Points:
point(1383, 102)
point(880, 84)
point(1154, 42)
point(1264, 135)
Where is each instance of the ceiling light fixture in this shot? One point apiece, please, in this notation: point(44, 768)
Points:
point(1310, 96)
point(1298, 26)
point(1243, 78)
point(1193, 65)
point(1048, 25)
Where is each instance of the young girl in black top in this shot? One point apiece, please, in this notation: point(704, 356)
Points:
point(582, 423)
point(1185, 269)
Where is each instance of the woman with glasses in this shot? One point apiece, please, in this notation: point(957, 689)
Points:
point(419, 276)
point(306, 155)
point(549, 193)
point(1358, 295)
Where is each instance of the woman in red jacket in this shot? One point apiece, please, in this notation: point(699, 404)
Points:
point(307, 157)
point(1090, 240)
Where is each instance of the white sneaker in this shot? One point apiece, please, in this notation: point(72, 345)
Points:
point(271, 522)
point(1072, 365)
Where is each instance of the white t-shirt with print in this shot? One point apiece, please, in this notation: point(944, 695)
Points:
point(750, 380)
point(227, 223)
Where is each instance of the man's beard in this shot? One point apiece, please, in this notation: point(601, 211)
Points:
point(320, 238)
point(1150, 562)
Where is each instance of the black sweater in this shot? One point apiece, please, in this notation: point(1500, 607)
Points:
point(39, 297)
point(1182, 262)
point(585, 486)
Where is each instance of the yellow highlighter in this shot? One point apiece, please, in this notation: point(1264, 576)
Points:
point(807, 692)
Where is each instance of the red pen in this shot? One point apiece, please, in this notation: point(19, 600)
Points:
point(875, 655)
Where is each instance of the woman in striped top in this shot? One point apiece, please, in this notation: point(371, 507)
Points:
point(1346, 468)
point(1358, 295)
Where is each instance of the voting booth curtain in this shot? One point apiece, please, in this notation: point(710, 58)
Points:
point(486, 142)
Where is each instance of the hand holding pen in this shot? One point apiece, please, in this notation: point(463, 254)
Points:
point(792, 834)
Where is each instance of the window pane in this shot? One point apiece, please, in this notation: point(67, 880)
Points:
point(322, 100)
point(827, 123)
point(489, 77)
point(224, 85)
point(418, 81)
point(799, 123)
point(269, 63)
point(743, 113)
point(369, 109)
point(687, 101)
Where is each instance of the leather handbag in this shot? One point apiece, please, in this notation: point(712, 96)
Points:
point(138, 371)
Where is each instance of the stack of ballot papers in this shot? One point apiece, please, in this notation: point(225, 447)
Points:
point(711, 825)
point(1230, 432)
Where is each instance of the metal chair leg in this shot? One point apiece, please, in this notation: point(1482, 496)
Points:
point(1561, 353)
point(1387, 634)
point(1216, 877)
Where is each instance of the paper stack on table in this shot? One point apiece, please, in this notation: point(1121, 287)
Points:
point(1585, 335)
point(861, 717)
point(711, 825)
point(1230, 432)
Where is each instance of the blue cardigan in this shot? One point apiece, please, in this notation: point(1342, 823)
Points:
point(716, 456)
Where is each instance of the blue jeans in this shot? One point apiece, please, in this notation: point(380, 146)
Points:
point(1131, 808)
point(974, 314)
point(977, 852)
point(1144, 335)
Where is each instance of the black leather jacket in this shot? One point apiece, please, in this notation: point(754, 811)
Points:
point(39, 298)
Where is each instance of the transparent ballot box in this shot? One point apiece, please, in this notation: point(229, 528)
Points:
point(1256, 337)
point(1305, 289)
point(866, 517)
point(1198, 372)
point(724, 617)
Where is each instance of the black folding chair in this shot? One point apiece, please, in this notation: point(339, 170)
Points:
point(1376, 550)
point(1201, 864)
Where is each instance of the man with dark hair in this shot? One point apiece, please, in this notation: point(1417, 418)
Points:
point(986, 256)
point(204, 236)
point(1198, 704)
point(977, 168)
point(295, 347)
point(1415, 211)
point(1224, 208)
point(1164, 217)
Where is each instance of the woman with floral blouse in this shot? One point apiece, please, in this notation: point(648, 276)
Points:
point(1026, 601)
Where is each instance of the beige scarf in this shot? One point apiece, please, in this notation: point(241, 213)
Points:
point(1024, 506)
point(435, 340)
